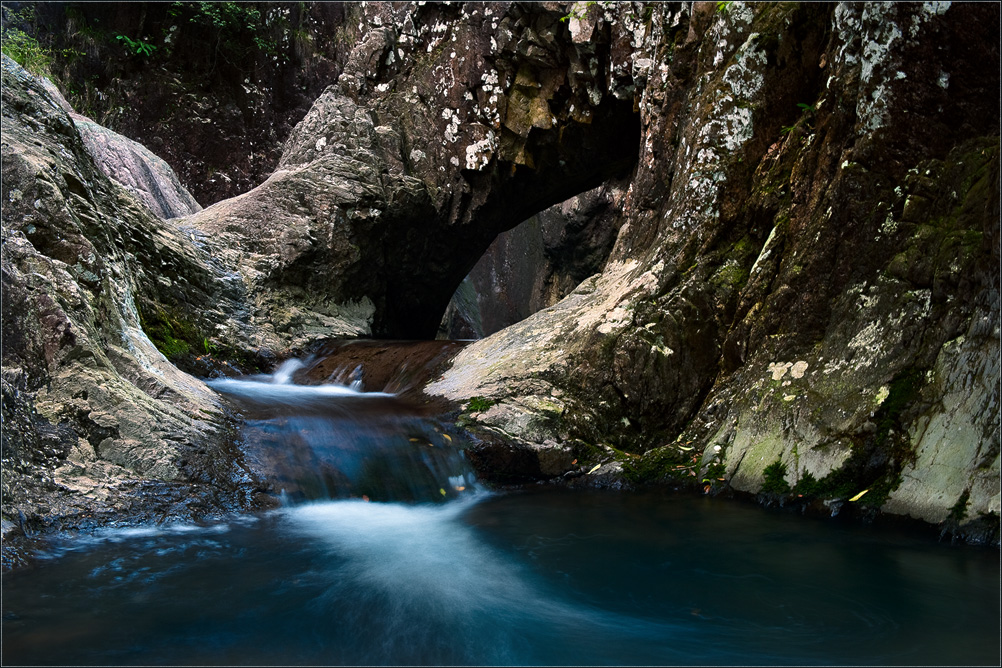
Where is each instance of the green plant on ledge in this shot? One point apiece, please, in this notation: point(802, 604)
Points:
point(138, 47)
point(479, 404)
point(775, 478)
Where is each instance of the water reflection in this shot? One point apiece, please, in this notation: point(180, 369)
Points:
point(531, 578)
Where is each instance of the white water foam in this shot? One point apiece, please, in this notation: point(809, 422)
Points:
point(279, 389)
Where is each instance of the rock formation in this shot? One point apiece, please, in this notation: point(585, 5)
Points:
point(98, 425)
point(804, 294)
point(802, 301)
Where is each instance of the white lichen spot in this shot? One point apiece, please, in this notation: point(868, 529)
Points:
point(798, 369)
point(779, 369)
point(454, 161)
point(882, 394)
point(789, 397)
point(417, 156)
point(321, 143)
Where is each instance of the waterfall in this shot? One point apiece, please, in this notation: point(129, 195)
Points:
point(335, 440)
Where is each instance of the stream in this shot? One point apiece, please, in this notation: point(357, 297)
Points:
point(386, 550)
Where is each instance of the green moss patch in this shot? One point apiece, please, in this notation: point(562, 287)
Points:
point(170, 331)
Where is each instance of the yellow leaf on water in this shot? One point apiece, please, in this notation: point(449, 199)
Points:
point(447, 437)
point(459, 488)
point(415, 440)
point(595, 468)
point(441, 491)
point(859, 496)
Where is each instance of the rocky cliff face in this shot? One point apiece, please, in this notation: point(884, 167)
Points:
point(805, 287)
point(802, 301)
point(98, 425)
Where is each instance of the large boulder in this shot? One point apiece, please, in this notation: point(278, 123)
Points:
point(98, 424)
point(803, 298)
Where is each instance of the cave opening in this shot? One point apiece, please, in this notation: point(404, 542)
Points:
point(535, 264)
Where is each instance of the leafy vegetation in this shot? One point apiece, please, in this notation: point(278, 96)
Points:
point(230, 22)
point(479, 404)
point(21, 47)
point(775, 479)
point(138, 47)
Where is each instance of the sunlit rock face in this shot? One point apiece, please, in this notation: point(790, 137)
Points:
point(536, 264)
point(803, 298)
point(98, 425)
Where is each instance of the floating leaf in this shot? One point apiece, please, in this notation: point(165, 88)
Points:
point(415, 440)
point(447, 437)
point(459, 488)
point(441, 491)
point(859, 496)
point(574, 462)
point(595, 468)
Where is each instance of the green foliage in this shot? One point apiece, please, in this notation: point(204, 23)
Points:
point(138, 47)
point(775, 478)
point(903, 391)
point(21, 47)
point(479, 404)
point(234, 25)
point(724, 7)
point(225, 15)
point(806, 117)
point(580, 13)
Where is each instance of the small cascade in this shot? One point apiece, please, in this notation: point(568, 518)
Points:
point(334, 440)
point(283, 374)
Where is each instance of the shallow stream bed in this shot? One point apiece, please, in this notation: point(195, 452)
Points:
point(387, 551)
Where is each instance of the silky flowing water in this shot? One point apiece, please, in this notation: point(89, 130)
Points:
point(386, 551)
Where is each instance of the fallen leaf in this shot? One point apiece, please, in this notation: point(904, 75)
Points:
point(595, 468)
point(415, 440)
point(574, 462)
point(447, 437)
point(441, 491)
point(682, 447)
point(859, 496)
point(459, 488)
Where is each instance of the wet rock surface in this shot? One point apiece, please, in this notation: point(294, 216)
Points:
point(802, 301)
point(98, 425)
point(765, 323)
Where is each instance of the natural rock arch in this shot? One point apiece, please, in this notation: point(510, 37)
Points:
point(387, 195)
